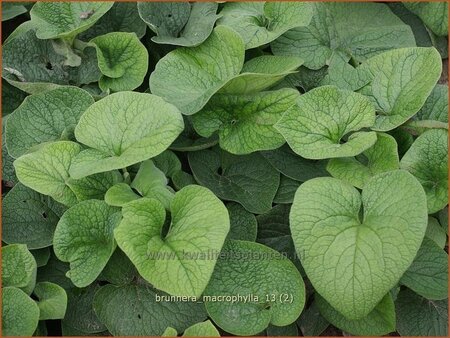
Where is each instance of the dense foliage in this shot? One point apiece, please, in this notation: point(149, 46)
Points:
point(238, 168)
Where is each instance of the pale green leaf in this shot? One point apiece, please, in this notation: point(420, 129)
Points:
point(18, 267)
point(52, 300)
point(120, 194)
point(436, 105)
point(365, 250)
point(436, 232)
point(10, 10)
point(203, 329)
point(433, 14)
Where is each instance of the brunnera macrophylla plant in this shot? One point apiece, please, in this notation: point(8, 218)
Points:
point(232, 168)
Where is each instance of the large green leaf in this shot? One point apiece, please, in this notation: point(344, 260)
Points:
point(262, 22)
point(428, 274)
point(122, 59)
point(188, 77)
point(417, 316)
point(245, 122)
point(175, 263)
point(315, 126)
point(379, 322)
point(148, 310)
point(401, 81)
point(49, 116)
point(123, 129)
point(427, 160)
point(29, 217)
point(248, 180)
point(20, 314)
point(78, 17)
point(433, 14)
point(18, 267)
point(381, 157)
point(352, 30)
point(367, 250)
point(52, 300)
point(179, 23)
point(84, 238)
point(266, 278)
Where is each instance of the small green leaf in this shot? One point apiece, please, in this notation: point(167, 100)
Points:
point(55, 271)
point(20, 314)
point(148, 316)
point(286, 190)
point(428, 273)
point(78, 17)
point(188, 77)
point(315, 126)
point(262, 22)
point(262, 275)
point(18, 267)
point(401, 80)
point(84, 238)
point(368, 250)
point(381, 157)
point(29, 217)
point(179, 23)
point(10, 10)
point(122, 59)
point(52, 300)
point(203, 329)
point(243, 225)
point(427, 160)
point(123, 129)
point(434, 15)
point(245, 123)
point(41, 171)
point(169, 332)
point(417, 316)
point(436, 232)
point(94, 186)
point(41, 256)
point(119, 270)
point(49, 116)
point(168, 162)
point(248, 180)
point(379, 322)
point(174, 263)
point(120, 194)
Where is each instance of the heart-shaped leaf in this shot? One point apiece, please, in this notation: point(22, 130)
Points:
point(151, 126)
point(179, 23)
point(52, 300)
point(245, 122)
point(174, 263)
point(427, 160)
point(84, 238)
point(353, 257)
point(262, 22)
point(265, 277)
point(20, 314)
point(315, 126)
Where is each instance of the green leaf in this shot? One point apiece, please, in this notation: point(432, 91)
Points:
point(188, 77)
point(18, 267)
point(12, 97)
point(122, 59)
point(417, 316)
point(428, 274)
point(245, 123)
point(436, 105)
point(311, 322)
point(180, 179)
point(120, 194)
point(41, 256)
point(379, 322)
point(169, 332)
point(352, 30)
point(20, 314)
point(55, 271)
point(80, 315)
point(179, 23)
point(293, 166)
point(45, 117)
point(148, 316)
point(10, 10)
point(381, 157)
point(189, 140)
point(315, 126)
point(78, 17)
point(434, 15)
point(122, 17)
point(436, 232)
point(123, 129)
point(168, 162)
point(94, 186)
point(261, 73)
point(401, 81)
point(248, 180)
point(29, 217)
point(174, 263)
point(84, 238)
point(262, 22)
point(427, 160)
point(443, 218)
point(52, 300)
point(286, 190)
point(243, 225)
point(282, 331)
point(259, 273)
point(367, 250)
point(46, 170)
point(119, 270)
point(203, 329)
